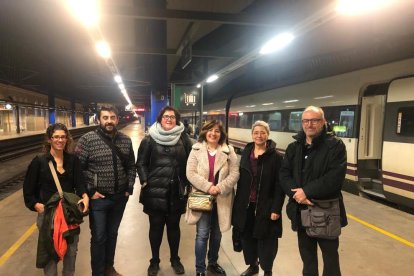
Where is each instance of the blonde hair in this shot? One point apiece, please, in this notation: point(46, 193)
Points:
point(315, 109)
point(262, 124)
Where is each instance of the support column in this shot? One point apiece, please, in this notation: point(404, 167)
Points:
point(73, 107)
point(52, 109)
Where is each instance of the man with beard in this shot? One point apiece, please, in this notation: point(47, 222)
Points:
point(108, 165)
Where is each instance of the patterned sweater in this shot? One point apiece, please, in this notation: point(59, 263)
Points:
point(102, 169)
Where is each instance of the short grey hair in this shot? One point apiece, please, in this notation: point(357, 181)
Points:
point(262, 124)
point(315, 109)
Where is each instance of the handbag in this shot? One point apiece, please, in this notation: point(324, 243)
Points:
point(199, 201)
point(323, 219)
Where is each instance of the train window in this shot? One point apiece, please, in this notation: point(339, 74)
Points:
point(233, 119)
point(275, 121)
point(295, 121)
point(346, 124)
point(405, 121)
point(245, 120)
point(257, 116)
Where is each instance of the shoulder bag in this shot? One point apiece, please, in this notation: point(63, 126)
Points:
point(323, 219)
point(200, 201)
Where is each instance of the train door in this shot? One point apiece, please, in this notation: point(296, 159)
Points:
point(370, 140)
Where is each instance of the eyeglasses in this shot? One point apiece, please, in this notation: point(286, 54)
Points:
point(312, 121)
point(168, 117)
point(57, 137)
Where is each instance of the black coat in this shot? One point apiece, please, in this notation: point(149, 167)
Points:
point(323, 176)
point(163, 169)
point(270, 196)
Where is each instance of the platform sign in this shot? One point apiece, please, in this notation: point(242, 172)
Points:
point(186, 97)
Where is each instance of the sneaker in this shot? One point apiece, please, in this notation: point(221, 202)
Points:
point(153, 269)
point(216, 269)
point(110, 271)
point(178, 267)
point(251, 270)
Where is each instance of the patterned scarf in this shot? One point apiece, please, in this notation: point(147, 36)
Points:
point(165, 137)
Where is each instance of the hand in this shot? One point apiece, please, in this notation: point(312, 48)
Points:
point(97, 195)
point(126, 194)
point(274, 216)
point(307, 202)
point(212, 190)
point(85, 202)
point(299, 195)
point(39, 207)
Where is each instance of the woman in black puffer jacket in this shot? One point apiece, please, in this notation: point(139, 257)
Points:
point(161, 166)
point(258, 203)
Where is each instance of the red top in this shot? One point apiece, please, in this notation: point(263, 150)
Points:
point(211, 160)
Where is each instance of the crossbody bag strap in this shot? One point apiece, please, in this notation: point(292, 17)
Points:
point(114, 148)
point(55, 177)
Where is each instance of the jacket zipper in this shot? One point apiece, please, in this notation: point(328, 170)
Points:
point(258, 188)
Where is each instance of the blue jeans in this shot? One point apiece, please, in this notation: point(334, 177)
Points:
point(207, 227)
point(104, 219)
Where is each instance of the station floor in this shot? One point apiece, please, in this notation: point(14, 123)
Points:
point(378, 241)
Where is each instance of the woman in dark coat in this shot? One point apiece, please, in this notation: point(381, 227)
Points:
point(161, 166)
point(259, 199)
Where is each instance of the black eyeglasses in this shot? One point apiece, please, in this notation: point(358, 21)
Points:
point(168, 117)
point(312, 121)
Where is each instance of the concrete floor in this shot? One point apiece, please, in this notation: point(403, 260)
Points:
point(363, 250)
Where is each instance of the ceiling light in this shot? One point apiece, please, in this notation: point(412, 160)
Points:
point(198, 85)
point(323, 97)
point(290, 101)
point(118, 79)
point(212, 78)
point(103, 49)
point(86, 11)
point(289, 106)
point(121, 86)
point(253, 105)
point(240, 113)
point(356, 7)
point(276, 43)
point(267, 103)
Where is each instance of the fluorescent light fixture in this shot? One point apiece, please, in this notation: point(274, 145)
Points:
point(289, 106)
point(8, 106)
point(121, 86)
point(356, 7)
point(86, 11)
point(103, 49)
point(118, 79)
point(240, 113)
point(198, 85)
point(276, 43)
point(290, 101)
point(205, 113)
point(253, 105)
point(212, 78)
point(267, 103)
point(323, 97)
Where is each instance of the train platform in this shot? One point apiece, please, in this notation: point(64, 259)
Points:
point(12, 135)
point(378, 240)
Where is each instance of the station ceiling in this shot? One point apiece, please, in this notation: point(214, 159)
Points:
point(43, 48)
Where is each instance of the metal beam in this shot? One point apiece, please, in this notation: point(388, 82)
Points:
point(164, 14)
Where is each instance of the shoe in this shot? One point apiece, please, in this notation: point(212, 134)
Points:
point(200, 274)
point(216, 269)
point(110, 271)
point(267, 273)
point(178, 267)
point(251, 270)
point(153, 269)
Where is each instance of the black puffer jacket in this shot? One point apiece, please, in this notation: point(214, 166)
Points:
point(270, 196)
point(323, 176)
point(163, 169)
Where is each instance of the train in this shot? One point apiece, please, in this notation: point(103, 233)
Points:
point(371, 110)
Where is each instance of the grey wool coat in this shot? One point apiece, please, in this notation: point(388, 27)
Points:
point(197, 173)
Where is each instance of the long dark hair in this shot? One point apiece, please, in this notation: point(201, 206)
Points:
point(209, 125)
point(49, 133)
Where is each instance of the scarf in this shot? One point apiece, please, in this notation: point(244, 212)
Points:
point(165, 137)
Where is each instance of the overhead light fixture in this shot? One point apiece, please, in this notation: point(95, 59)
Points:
point(198, 85)
point(289, 106)
point(103, 49)
point(86, 11)
point(290, 101)
point(121, 86)
point(240, 113)
point(212, 78)
point(253, 105)
point(118, 79)
point(276, 43)
point(356, 7)
point(323, 97)
point(267, 103)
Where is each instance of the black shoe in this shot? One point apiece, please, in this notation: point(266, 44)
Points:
point(200, 274)
point(267, 273)
point(153, 269)
point(178, 267)
point(216, 269)
point(251, 270)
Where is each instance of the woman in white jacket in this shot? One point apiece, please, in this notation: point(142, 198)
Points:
point(212, 168)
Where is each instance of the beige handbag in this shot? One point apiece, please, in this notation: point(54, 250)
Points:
point(199, 201)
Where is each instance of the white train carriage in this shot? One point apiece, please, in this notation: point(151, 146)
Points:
point(371, 110)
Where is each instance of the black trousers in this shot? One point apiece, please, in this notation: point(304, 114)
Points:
point(308, 248)
point(264, 250)
point(156, 231)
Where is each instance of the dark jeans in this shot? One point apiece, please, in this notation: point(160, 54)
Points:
point(253, 249)
point(308, 248)
point(207, 229)
point(104, 219)
point(156, 231)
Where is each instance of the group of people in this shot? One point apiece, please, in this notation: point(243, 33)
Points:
point(248, 195)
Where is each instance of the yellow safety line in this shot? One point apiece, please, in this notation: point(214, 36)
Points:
point(382, 231)
point(17, 244)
